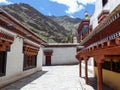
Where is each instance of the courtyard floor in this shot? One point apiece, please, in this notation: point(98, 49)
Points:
point(63, 77)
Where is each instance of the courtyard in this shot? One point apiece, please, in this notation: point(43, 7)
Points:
point(61, 77)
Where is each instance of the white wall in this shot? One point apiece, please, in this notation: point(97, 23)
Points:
point(110, 5)
point(93, 20)
point(15, 58)
point(113, 4)
point(62, 55)
point(14, 66)
point(74, 39)
point(90, 67)
point(40, 59)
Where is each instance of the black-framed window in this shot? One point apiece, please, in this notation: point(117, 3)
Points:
point(30, 61)
point(104, 2)
point(3, 55)
point(113, 65)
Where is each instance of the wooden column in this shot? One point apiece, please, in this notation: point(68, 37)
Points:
point(80, 69)
point(86, 71)
point(99, 77)
point(111, 65)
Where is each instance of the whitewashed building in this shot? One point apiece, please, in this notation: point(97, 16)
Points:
point(98, 35)
point(20, 50)
point(102, 9)
point(62, 53)
point(23, 53)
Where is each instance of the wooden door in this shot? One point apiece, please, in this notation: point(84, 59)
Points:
point(48, 60)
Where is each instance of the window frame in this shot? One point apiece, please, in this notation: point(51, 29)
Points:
point(112, 65)
point(104, 2)
point(4, 63)
point(28, 61)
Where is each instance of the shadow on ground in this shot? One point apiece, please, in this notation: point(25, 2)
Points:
point(93, 83)
point(24, 81)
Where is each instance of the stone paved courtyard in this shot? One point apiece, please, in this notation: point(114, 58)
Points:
point(63, 77)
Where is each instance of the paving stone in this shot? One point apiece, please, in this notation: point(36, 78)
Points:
point(63, 77)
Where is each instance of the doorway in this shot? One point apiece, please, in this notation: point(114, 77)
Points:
point(48, 55)
point(48, 60)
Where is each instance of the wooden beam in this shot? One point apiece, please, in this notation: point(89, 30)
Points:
point(112, 56)
point(103, 51)
point(117, 41)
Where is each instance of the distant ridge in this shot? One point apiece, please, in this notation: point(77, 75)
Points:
point(50, 29)
point(41, 25)
point(70, 24)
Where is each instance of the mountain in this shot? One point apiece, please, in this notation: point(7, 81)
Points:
point(40, 24)
point(70, 24)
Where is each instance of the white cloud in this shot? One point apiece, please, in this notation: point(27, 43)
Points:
point(5, 2)
point(74, 5)
point(85, 2)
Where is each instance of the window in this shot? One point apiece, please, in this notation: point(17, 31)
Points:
point(30, 55)
point(113, 65)
point(29, 61)
point(104, 2)
point(85, 29)
point(2, 63)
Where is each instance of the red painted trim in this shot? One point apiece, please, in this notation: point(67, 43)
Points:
point(84, 22)
point(6, 37)
point(103, 15)
point(104, 12)
point(102, 18)
point(30, 45)
point(112, 28)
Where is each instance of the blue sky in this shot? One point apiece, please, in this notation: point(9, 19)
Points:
point(73, 8)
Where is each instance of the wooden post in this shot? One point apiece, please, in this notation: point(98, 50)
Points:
point(80, 69)
point(99, 77)
point(86, 71)
point(111, 67)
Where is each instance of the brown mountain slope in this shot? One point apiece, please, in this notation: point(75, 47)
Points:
point(70, 24)
point(46, 28)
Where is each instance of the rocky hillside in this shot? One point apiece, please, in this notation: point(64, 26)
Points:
point(70, 24)
point(46, 28)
